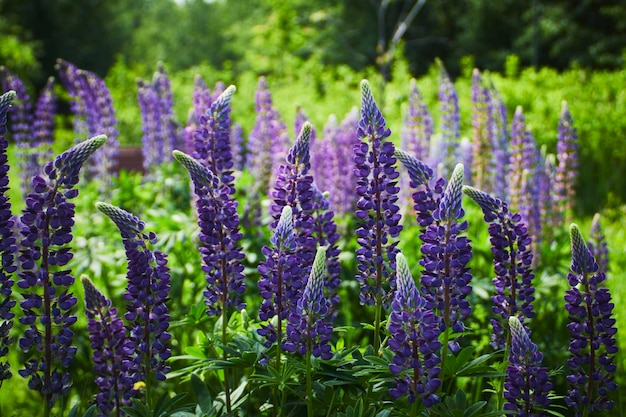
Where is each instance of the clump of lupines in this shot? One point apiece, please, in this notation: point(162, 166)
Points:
point(47, 303)
point(112, 352)
point(527, 383)
point(294, 187)
point(281, 280)
point(212, 147)
point(147, 292)
point(333, 167)
point(414, 332)
point(513, 258)
point(597, 244)
point(567, 169)
point(446, 278)
point(377, 211)
point(450, 124)
point(592, 332)
point(219, 237)
point(309, 328)
point(160, 132)
point(268, 142)
point(8, 247)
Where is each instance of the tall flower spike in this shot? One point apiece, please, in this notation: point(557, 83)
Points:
point(567, 169)
point(597, 244)
point(147, 292)
point(8, 247)
point(592, 332)
point(281, 283)
point(45, 281)
point(377, 210)
point(482, 135)
point(527, 383)
point(43, 123)
point(309, 328)
point(414, 333)
point(219, 237)
point(112, 351)
point(446, 278)
point(450, 123)
point(513, 258)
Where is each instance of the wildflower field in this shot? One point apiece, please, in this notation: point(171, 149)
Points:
point(426, 256)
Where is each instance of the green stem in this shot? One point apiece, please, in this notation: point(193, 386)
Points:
point(309, 382)
point(225, 357)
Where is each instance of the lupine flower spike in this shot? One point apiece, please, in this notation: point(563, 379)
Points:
point(44, 280)
point(112, 352)
point(510, 245)
point(377, 209)
point(8, 247)
point(597, 244)
point(527, 383)
point(414, 341)
point(567, 169)
point(592, 331)
point(147, 292)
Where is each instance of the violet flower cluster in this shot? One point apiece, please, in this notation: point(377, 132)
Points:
point(281, 283)
point(43, 122)
point(513, 258)
point(527, 383)
point(112, 352)
point(377, 211)
point(482, 135)
point(8, 247)
point(500, 143)
point(219, 238)
point(446, 153)
point(592, 332)
point(333, 167)
point(597, 244)
point(446, 278)
point(414, 340)
point(45, 282)
point(309, 327)
point(147, 293)
point(212, 147)
point(567, 169)
point(160, 131)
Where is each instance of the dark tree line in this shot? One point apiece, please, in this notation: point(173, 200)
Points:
point(264, 35)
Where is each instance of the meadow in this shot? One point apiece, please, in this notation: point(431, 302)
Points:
point(346, 266)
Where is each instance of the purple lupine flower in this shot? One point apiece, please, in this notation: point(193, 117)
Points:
point(325, 234)
point(377, 209)
point(150, 123)
point(414, 332)
point(201, 102)
point(567, 170)
point(309, 327)
point(47, 303)
point(466, 158)
point(8, 247)
point(513, 259)
point(281, 283)
point(446, 278)
point(21, 126)
point(219, 237)
point(212, 146)
point(597, 244)
point(147, 292)
point(268, 142)
point(547, 204)
point(299, 121)
point(482, 135)
point(500, 143)
point(218, 89)
point(238, 147)
point(450, 124)
point(172, 139)
point(527, 383)
point(592, 332)
point(43, 123)
point(333, 167)
point(294, 187)
point(74, 84)
point(112, 352)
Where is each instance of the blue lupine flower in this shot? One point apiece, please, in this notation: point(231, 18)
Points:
point(8, 247)
point(112, 351)
point(527, 383)
point(147, 292)
point(592, 332)
point(47, 304)
point(414, 332)
point(219, 237)
point(513, 258)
